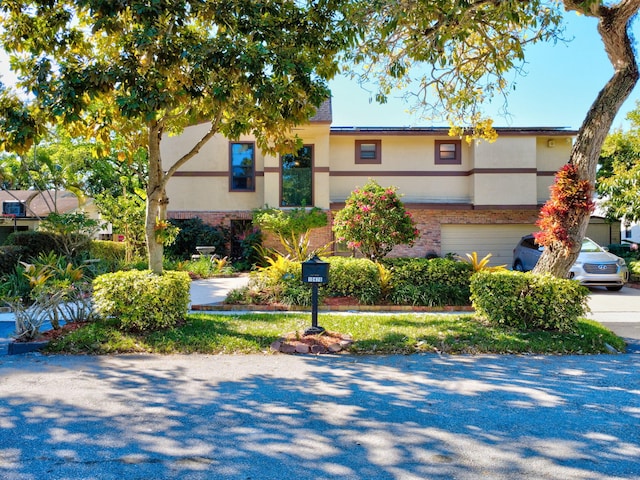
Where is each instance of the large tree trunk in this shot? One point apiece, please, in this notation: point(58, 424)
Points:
point(613, 28)
point(156, 199)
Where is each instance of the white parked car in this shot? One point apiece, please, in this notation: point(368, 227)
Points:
point(595, 266)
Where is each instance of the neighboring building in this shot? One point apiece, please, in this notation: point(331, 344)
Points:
point(631, 233)
point(23, 209)
point(464, 197)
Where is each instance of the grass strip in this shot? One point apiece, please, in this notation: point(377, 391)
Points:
point(372, 334)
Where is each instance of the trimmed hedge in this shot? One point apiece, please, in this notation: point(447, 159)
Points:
point(527, 301)
point(35, 242)
point(429, 282)
point(108, 250)
point(354, 277)
point(141, 300)
point(408, 281)
point(10, 255)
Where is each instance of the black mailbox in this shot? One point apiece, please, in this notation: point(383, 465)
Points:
point(315, 271)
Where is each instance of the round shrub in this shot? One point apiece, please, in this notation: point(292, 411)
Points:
point(142, 300)
point(528, 301)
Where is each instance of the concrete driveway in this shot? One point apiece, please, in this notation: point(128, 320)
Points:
point(619, 312)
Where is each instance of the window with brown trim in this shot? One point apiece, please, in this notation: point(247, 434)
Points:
point(368, 151)
point(448, 152)
point(296, 178)
point(242, 167)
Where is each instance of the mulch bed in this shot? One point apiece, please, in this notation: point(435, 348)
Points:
point(53, 334)
point(326, 342)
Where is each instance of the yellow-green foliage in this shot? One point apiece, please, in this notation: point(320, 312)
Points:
point(141, 300)
point(634, 269)
point(482, 263)
point(528, 301)
point(107, 250)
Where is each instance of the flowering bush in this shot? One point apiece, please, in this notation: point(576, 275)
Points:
point(374, 220)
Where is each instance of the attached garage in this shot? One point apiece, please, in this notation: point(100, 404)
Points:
point(603, 232)
point(498, 240)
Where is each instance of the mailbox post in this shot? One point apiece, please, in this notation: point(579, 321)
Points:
point(315, 272)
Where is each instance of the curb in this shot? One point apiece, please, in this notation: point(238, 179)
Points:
point(18, 348)
point(221, 307)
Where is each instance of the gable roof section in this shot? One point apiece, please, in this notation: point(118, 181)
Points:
point(323, 113)
point(41, 204)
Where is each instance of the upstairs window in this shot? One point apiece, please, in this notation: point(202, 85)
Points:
point(448, 152)
point(242, 167)
point(296, 179)
point(368, 151)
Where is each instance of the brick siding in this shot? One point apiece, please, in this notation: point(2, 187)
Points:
point(428, 221)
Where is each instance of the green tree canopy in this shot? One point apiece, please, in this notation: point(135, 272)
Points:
point(453, 55)
point(147, 69)
point(618, 182)
point(448, 57)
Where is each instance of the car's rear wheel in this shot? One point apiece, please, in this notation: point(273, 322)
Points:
point(615, 289)
point(517, 266)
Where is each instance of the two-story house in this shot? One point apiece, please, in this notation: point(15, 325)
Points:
point(464, 197)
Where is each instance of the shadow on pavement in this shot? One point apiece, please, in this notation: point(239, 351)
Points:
point(268, 417)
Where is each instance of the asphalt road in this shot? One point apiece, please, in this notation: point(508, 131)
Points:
point(324, 417)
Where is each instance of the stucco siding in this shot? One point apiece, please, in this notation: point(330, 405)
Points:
point(552, 153)
point(211, 194)
point(543, 188)
point(416, 188)
point(399, 153)
point(501, 188)
point(506, 152)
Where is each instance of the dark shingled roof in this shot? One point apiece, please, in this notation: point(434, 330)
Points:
point(323, 114)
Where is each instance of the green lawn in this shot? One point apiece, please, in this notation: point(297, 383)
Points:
point(372, 334)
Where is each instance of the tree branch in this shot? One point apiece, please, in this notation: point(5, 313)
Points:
point(196, 148)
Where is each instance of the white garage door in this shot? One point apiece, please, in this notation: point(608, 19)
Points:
point(499, 240)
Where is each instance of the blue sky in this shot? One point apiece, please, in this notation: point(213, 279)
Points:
point(562, 82)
